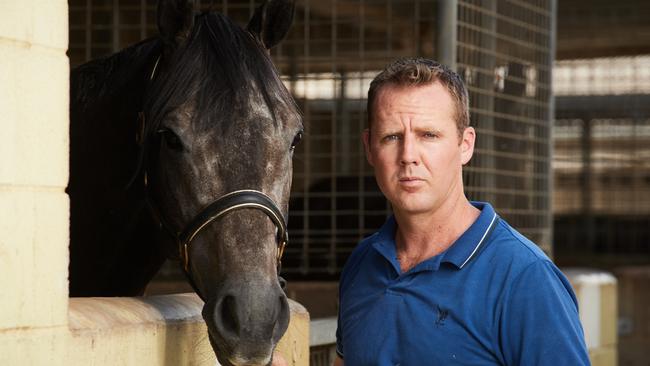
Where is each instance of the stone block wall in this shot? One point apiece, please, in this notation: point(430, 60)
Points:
point(33, 174)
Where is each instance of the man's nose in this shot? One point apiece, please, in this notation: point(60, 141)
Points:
point(409, 151)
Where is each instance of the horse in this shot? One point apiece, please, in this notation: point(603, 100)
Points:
point(181, 148)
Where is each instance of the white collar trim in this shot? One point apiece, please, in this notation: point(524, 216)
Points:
point(480, 242)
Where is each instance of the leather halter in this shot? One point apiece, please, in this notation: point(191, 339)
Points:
point(237, 200)
point(229, 202)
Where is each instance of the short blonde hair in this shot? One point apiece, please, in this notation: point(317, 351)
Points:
point(417, 71)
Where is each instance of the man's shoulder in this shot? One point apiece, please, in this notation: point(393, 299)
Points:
point(510, 253)
point(510, 243)
point(519, 262)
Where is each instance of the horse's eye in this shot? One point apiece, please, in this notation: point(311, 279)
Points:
point(171, 139)
point(296, 140)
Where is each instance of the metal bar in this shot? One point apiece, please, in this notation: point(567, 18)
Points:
point(305, 260)
point(551, 116)
point(587, 193)
point(447, 32)
point(361, 223)
point(493, 32)
point(506, 19)
point(115, 46)
point(486, 100)
point(89, 30)
point(336, 115)
point(143, 19)
point(502, 56)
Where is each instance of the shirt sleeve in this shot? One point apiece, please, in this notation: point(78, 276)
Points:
point(339, 337)
point(350, 269)
point(539, 320)
point(339, 341)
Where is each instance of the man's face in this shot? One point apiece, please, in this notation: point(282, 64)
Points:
point(414, 147)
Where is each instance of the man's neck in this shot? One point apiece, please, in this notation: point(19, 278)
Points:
point(422, 236)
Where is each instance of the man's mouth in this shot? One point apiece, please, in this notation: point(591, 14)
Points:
point(410, 179)
point(410, 182)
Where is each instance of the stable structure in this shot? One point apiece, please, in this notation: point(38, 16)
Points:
point(601, 203)
point(39, 324)
point(502, 48)
point(601, 166)
point(601, 196)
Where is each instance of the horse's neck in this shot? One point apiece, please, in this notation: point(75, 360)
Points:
point(105, 98)
point(107, 227)
point(119, 78)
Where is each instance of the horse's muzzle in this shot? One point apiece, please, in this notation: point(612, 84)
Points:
point(246, 321)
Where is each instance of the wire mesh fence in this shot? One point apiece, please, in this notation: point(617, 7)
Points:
point(504, 55)
point(327, 61)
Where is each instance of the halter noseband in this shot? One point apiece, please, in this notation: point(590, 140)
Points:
point(233, 201)
point(229, 202)
point(237, 200)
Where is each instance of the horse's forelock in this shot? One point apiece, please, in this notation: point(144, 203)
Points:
point(223, 68)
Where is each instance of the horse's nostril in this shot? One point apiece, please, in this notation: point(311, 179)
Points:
point(229, 320)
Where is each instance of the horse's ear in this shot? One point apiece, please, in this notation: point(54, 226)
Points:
point(271, 21)
point(175, 20)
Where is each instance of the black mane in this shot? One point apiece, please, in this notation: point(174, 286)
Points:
point(219, 59)
point(108, 77)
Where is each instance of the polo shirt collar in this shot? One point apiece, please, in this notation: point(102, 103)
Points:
point(466, 247)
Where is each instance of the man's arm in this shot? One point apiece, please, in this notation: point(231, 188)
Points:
point(338, 361)
point(540, 323)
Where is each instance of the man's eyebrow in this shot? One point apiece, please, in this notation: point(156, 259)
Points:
point(428, 129)
point(389, 131)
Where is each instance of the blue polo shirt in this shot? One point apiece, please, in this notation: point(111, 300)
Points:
point(492, 298)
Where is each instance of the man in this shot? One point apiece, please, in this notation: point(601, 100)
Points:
point(445, 281)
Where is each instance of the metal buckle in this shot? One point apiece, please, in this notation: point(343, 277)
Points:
point(281, 247)
point(186, 258)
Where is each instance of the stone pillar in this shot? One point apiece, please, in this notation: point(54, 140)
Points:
point(596, 292)
point(33, 175)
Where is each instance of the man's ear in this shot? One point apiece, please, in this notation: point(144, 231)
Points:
point(366, 144)
point(271, 21)
point(467, 145)
point(175, 21)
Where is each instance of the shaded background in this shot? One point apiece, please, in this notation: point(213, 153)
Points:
point(559, 94)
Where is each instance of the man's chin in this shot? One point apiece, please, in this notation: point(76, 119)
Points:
point(412, 205)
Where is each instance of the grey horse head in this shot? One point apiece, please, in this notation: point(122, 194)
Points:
point(220, 120)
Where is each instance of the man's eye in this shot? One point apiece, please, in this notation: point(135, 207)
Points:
point(430, 135)
point(390, 138)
